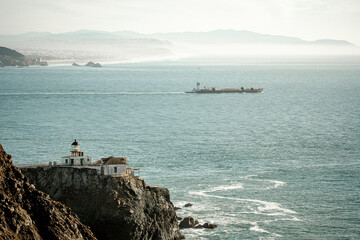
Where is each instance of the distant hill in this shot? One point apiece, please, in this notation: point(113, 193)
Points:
point(243, 36)
point(9, 52)
point(164, 39)
point(10, 57)
point(89, 45)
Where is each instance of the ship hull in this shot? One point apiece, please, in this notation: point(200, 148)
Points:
point(203, 91)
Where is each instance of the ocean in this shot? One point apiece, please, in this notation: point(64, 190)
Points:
point(283, 164)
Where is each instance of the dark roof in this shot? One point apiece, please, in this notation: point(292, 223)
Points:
point(75, 143)
point(111, 161)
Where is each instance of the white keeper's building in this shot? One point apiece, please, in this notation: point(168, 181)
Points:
point(113, 166)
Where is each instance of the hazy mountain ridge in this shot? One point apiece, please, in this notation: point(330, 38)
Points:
point(243, 36)
point(90, 45)
point(85, 45)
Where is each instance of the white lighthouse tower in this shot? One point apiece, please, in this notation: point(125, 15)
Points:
point(75, 149)
point(76, 158)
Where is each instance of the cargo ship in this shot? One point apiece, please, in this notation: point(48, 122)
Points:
point(224, 90)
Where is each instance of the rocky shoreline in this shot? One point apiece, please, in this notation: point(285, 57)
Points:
point(26, 213)
point(112, 207)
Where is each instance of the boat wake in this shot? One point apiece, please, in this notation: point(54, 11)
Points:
point(91, 93)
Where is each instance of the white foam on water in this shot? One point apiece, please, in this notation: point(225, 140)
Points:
point(254, 206)
point(256, 228)
point(275, 214)
point(226, 187)
point(266, 238)
point(266, 206)
point(276, 235)
point(248, 176)
point(271, 206)
point(266, 214)
point(276, 184)
point(293, 219)
point(199, 193)
point(192, 233)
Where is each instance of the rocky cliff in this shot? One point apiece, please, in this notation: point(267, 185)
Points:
point(26, 213)
point(113, 207)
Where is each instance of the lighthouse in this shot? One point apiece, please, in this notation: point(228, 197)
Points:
point(76, 158)
point(75, 149)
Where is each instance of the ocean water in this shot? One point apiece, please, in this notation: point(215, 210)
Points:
point(279, 165)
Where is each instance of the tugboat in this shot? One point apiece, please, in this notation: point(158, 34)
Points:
point(225, 90)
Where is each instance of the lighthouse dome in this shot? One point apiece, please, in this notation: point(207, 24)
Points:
point(75, 146)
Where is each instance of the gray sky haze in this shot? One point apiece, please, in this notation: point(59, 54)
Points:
point(306, 19)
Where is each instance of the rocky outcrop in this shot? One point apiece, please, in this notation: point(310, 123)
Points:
point(113, 207)
point(26, 213)
point(188, 222)
point(206, 225)
point(92, 64)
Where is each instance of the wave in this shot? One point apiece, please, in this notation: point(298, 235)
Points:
point(92, 93)
point(256, 228)
point(251, 207)
point(226, 187)
point(265, 206)
point(276, 183)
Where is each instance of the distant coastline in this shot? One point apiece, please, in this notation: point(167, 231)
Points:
point(132, 47)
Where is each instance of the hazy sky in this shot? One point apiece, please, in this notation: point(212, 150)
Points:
point(306, 19)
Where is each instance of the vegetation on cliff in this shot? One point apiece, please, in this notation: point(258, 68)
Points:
point(26, 213)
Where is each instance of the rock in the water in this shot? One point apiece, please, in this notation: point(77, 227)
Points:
point(209, 225)
point(206, 225)
point(92, 64)
point(26, 213)
point(188, 205)
point(75, 65)
point(113, 207)
point(188, 222)
point(212, 226)
point(177, 208)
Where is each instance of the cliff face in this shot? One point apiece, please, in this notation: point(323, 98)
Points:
point(113, 207)
point(26, 213)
